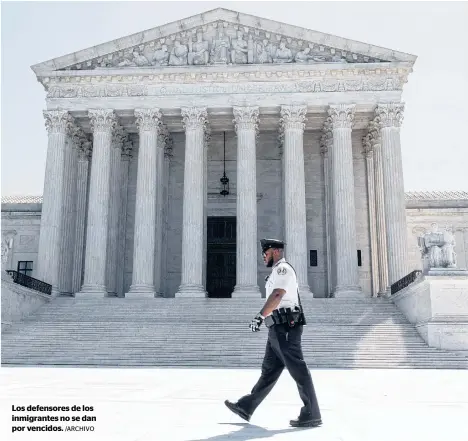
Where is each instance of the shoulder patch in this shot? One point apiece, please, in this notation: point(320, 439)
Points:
point(281, 270)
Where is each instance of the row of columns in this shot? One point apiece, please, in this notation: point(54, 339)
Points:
point(194, 215)
point(387, 218)
point(64, 219)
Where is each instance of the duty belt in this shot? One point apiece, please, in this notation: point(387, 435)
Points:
point(289, 316)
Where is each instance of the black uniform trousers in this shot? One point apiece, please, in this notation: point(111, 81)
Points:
point(284, 349)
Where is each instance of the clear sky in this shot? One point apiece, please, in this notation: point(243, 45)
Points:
point(434, 135)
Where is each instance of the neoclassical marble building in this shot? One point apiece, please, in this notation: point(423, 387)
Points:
point(141, 130)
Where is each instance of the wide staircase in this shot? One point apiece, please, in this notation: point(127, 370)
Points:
point(370, 333)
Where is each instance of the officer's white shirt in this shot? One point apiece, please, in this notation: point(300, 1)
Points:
point(283, 277)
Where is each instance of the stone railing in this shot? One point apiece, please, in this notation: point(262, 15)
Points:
point(30, 282)
point(405, 281)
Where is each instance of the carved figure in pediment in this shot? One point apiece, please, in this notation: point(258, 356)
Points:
point(339, 59)
point(261, 52)
point(161, 56)
point(239, 50)
point(304, 56)
point(126, 62)
point(283, 54)
point(139, 59)
point(198, 51)
point(179, 54)
point(220, 49)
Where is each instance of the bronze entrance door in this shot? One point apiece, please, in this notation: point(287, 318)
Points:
point(221, 257)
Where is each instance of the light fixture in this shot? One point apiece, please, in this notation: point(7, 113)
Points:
point(224, 180)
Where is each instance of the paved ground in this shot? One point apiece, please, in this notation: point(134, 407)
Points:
point(187, 405)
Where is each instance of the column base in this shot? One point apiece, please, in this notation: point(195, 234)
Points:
point(348, 292)
point(305, 291)
point(140, 291)
point(67, 294)
point(191, 290)
point(92, 291)
point(246, 291)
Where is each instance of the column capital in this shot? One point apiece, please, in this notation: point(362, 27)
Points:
point(367, 146)
point(373, 131)
point(168, 148)
point(163, 136)
point(246, 118)
point(341, 116)
point(85, 150)
point(127, 150)
point(207, 137)
point(148, 119)
point(390, 114)
point(102, 120)
point(293, 116)
point(119, 136)
point(326, 140)
point(77, 136)
point(194, 117)
point(58, 121)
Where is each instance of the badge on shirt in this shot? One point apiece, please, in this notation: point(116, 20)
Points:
point(281, 271)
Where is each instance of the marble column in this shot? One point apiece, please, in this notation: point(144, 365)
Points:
point(292, 123)
point(194, 119)
point(58, 123)
point(374, 133)
point(205, 203)
point(246, 125)
point(103, 122)
point(118, 139)
point(344, 212)
point(84, 156)
point(167, 163)
point(125, 158)
point(159, 224)
point(326, 146)
point(148, 122)
point(390, 118)
point(68, 227)
point(370, 175)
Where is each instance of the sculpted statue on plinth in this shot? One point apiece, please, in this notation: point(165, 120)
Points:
point(437, 248)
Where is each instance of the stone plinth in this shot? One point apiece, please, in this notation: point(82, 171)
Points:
point(438, 307)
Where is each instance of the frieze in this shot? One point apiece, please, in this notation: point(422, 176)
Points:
point(315, 86)
point(222, 42)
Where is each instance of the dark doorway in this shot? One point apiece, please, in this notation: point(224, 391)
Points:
point(221, 257)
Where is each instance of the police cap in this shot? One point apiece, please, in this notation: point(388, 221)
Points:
point(271, 243)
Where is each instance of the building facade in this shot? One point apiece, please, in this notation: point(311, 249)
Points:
point(172, 151)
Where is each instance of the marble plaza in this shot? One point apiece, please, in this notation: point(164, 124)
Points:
point(187, 405)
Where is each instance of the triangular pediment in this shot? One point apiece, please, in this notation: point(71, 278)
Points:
point(221, 37)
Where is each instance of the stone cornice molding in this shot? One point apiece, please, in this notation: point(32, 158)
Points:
point(390, 115)
point(102, 120)
point(293, 117)
point(342, 116)
point(246, 118)
point(208, 82)
point(194, 118)
point(58, 121)
point(148, 119)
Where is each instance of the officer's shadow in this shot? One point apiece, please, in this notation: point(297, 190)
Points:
point(246, 433)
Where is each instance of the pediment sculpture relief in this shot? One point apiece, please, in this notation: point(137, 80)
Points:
point(223, 43)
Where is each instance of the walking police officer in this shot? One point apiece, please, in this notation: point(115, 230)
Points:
point(282, 314)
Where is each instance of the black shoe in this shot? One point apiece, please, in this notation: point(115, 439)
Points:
point(305, 422)
point(234, 407)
